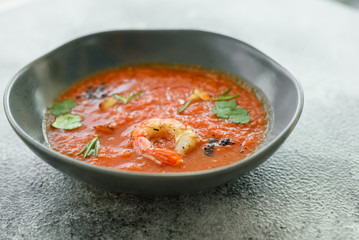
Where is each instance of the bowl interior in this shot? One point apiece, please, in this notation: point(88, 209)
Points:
point(36, 86)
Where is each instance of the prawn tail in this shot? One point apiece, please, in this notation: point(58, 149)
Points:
point(144, 148)
point(165, 156)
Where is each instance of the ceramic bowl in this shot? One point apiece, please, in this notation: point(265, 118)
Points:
point(35, 87)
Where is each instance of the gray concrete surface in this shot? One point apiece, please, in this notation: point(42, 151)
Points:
point(307, 190)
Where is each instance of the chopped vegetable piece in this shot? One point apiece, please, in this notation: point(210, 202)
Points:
point(67, 121)
point(184, 106)
point(111, 101)
point(129, 97)
point(91, 147)
point(228, 109)
point(198, 94)
point(63, 107)
point(108, 128)
point(107, 103)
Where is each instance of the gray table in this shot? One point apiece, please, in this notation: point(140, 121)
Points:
point(308, 189)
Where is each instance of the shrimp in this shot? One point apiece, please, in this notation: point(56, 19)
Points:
point(185, 140)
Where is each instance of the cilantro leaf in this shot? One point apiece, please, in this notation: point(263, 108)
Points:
point(67, 121)
point(91, 147)
point(223, 109)
point(223, 113)
point(63, 107)
point(129, 97)
point(226, 104)
point(240, 115)
point(228, 109)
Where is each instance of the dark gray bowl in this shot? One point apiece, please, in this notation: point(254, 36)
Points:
point(34, 88)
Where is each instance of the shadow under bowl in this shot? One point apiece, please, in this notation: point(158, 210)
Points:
point(34, 88)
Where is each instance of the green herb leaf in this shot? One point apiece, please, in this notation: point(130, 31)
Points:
point(97, 145)
point(129, 97)
point(226, 104)
point(184, 106)
point(223, 109)
point(228, 109)
point(91, 147)
point(222, 113)
point(225, 92)
point(133, 96)
point(120, 98)
point(63, 107)
point(224, 98)
point(240, 115)
point(67, 121)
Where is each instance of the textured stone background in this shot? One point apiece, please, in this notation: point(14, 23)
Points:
point(308, 189)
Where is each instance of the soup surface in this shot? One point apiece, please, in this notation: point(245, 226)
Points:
point(113, 105)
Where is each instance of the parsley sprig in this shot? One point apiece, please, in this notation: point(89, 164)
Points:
point(129, 97)
point(229, 109)
point(91, 147)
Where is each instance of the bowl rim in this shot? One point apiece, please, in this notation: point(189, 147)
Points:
point(276, 141)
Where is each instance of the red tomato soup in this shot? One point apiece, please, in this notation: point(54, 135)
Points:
point(114, 108)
